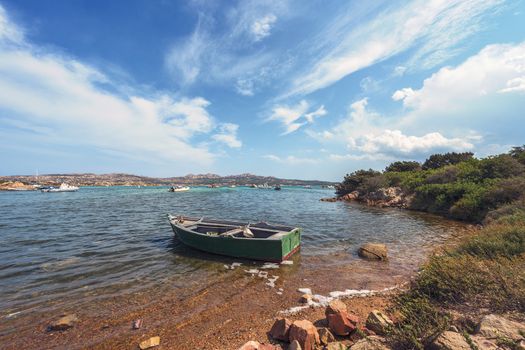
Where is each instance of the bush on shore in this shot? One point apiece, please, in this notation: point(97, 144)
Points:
point(455, 185)
point(485, 271)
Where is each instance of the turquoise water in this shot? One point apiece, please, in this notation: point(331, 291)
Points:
point(60, 247)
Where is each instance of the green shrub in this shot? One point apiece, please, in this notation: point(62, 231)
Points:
point(352, 181)
point(518, 153)
point(443, 175)
point(420, 321)
point(497, 241)
point(436, 161)
point(500, 167)
point(402, 166)
point(373, 183)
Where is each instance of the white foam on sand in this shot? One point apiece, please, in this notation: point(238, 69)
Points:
point(264, 275)
point(271, 281)
point(305, 290)
point(287, 262)
point(232, 266)
point(270, 266)
point(318, 300)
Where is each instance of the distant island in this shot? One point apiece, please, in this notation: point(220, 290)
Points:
point(22, 182)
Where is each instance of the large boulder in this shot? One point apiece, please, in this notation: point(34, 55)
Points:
point(335, 306)
point(342, 323)
point(450, 341)
point(370, 343)
point(378, 322)
point(63, 323)
point(494, 327)
point(281, 329)
point(305, 333)
point(373, 251)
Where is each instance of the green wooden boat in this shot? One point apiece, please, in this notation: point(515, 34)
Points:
point(258, 241)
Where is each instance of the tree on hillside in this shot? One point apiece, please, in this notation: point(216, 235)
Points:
point(518, 153)
point(401, 166)
point(440, 160)
point(352, 181)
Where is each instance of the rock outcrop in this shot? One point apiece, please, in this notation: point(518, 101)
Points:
point(494, 327)
point(383, 197)
point(386, 197)
point(378, 322)
point(450, 341)
point(370, 343)
point(281, 329)
point(373, 251)
point(305, 333)
point(342, 323)
point(334, 307)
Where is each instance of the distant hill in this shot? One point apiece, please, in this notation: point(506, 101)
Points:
point(118, 179)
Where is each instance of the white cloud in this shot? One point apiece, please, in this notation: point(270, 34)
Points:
point(66, 101)
point(394, 142)
point(370, 136)
point(399, 71)
point(228, 135)
point(229, 53)
point(294, 117)
point(441, 25)
point(184, 60)
point(516, 84)
point(261, 28)
point(319, 112)
point(484, 93)
point(244, 87)
point(402, 94)
point(291, 160)
point(9, 31)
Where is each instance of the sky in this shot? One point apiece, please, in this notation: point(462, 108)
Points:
point(288, 88)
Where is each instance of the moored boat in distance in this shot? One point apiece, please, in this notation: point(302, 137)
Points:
point(178, 189)
point(257, 241)
point(63, 188)
point(277, 187)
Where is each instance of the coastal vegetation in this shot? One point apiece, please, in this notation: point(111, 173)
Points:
point(485, 273)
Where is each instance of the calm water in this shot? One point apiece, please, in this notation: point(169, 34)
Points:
point(62, 247)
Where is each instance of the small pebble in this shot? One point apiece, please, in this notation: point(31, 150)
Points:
point(137, 323)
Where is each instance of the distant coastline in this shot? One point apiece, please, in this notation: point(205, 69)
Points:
point(119, 179)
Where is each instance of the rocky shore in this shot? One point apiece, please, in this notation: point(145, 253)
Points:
point(342, 329)
point(393, 197)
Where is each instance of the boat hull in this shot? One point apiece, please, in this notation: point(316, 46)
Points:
point(274, 250)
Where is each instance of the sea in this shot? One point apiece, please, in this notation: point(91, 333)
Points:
point(59, 250)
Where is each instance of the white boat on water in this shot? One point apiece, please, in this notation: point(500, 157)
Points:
point(178, 189)
point(63, 188)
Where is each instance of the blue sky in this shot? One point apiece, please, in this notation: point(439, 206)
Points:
point(286, 88)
